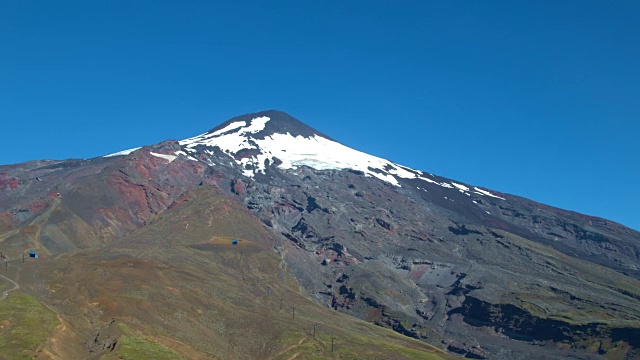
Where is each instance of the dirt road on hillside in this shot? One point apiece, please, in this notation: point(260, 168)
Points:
point(15, 286)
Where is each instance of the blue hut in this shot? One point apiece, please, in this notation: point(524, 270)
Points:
point(234, 242)
point(33, 254)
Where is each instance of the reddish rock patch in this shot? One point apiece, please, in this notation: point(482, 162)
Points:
point(7, 181)
point(38, 205)
point(238, 187)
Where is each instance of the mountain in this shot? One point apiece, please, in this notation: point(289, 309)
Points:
point(141, 239)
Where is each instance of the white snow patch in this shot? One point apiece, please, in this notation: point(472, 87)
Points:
point(247, 173)
point(257, 125)
point(233, 125)
point(296, 151)
point(443, 184)
point(169, 158)
point(428, 180)
point(232, 142)
point(484, 192)
point(123, 152)
point(460, 186)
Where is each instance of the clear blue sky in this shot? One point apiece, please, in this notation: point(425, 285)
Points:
point(539, 99)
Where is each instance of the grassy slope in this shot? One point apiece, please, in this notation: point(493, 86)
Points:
point(602, 284)
point(25, 324)
point(136, 348)
point(179, 285)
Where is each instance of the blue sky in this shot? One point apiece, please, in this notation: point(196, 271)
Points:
point(538, 99)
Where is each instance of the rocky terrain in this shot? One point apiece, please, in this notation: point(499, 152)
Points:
point(473, 271)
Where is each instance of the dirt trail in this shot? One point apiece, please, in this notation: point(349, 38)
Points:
point(40, 221)
point(289, 348)
point(8, 234)
point(6, 292)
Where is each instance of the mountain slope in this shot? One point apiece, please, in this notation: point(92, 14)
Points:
point(480, 273)
point(180, 287)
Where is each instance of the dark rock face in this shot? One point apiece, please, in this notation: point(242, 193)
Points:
point(519, 324)
point(483, 274)
point(284, 123)
point(422, 269)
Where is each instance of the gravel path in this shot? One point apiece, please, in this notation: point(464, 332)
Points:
point(6, 292)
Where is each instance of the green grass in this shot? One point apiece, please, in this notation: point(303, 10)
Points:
point(391, 347)
point(25, 324)
point(603, 286)
point(135, 348)
point(352, 346)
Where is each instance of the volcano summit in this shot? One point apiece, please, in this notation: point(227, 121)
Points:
point(136, 249)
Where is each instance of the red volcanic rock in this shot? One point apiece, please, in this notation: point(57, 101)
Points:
point(238, 187)
point(7, 181)
point(417, 273)
point(282, 209)
point(27, 211)
point(38, 205)
point(148, 185)
point(133, 194)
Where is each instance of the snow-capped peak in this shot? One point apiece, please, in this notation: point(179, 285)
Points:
point(256, 142)
point(254, 154)
point(290, 151)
